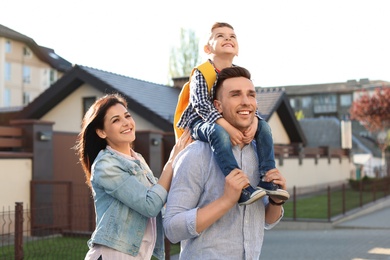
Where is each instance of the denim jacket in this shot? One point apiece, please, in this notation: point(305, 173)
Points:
point(124, 201)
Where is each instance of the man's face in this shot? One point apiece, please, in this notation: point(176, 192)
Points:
point(236, 101)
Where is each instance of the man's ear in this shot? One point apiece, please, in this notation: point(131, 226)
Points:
point(101, 133)
point(218, 105)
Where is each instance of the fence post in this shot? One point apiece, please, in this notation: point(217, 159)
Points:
point(167, 244)
point(329, 203)
point(18, 230)
point(343, 198)
point(301, 153)
point(294, 203)
point(388, 186)
point(70, 206)
point(361, 193)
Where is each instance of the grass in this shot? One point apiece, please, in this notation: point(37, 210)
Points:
point(50, 249)
point(58, 248)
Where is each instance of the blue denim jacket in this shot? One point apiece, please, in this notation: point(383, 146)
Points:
point(124, 201)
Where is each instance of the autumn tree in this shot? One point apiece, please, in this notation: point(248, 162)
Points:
point(186, 56)
point(372, 110)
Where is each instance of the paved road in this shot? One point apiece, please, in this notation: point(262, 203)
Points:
point(363, 237)
point(335, 244)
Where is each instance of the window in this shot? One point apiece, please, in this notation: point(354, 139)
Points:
point(292, 102)
point(26, 74)
point(26, 98)
point(345, 100)
point(27, 52)
point(52, 76)
point(7, 71)
point(7, 97)
point(8, 46)
point(325, 103)
point(306, 102)
point(87, 103)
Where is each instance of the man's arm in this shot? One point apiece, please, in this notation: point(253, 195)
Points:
point(208, 215)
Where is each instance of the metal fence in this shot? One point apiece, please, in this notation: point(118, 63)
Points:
point(57, 230)
point(335, 202)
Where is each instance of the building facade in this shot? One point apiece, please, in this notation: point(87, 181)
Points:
point(26, 69)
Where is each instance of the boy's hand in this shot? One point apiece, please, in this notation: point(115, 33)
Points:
point(236, 136)
point(250, 133)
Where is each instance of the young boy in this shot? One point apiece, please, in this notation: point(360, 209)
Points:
point(208, 125)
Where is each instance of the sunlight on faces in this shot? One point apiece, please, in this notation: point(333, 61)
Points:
point(119, 128)
point(236, 101)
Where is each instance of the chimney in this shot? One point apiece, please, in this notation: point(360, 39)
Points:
point(364, 81)
point(179, 81)
point(352, 82)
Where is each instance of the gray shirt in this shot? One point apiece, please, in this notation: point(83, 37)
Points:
point(197, 182)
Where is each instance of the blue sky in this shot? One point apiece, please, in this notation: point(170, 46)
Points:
point(281, 42)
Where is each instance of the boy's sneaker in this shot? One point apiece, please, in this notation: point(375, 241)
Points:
point(273, 189)
point(250, 195)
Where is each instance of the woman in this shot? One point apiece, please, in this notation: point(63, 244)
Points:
point(128, 198)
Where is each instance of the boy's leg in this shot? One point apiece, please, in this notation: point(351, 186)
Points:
point(265, 152)
point(220, 143)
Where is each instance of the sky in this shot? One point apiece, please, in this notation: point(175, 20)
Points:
point(281, 42)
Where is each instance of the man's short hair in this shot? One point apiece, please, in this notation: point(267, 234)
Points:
point(230, 72)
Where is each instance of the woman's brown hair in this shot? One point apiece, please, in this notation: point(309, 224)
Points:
point(88, 143)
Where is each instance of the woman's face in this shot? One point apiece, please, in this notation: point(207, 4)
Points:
point(119, 128)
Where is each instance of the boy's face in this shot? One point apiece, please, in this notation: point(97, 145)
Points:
point(222, 41)
point(236, 101)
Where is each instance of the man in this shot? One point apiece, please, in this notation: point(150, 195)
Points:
point(203, 214)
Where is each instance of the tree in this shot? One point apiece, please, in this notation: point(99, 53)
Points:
point(186, 56)
point(373, 112)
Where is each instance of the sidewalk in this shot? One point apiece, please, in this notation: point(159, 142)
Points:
point(375, 216)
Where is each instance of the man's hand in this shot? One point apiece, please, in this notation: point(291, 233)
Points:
point(275, 176)
point(234, 183)
point(209, 214)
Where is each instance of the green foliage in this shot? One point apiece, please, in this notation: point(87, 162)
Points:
point(186, 56)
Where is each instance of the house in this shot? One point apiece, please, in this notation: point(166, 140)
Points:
point(51, 122)
point(329, 99)
point(320, 102)
point(27, 69)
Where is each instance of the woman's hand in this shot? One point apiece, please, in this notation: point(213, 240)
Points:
point(184, 140)
point(167, 173)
